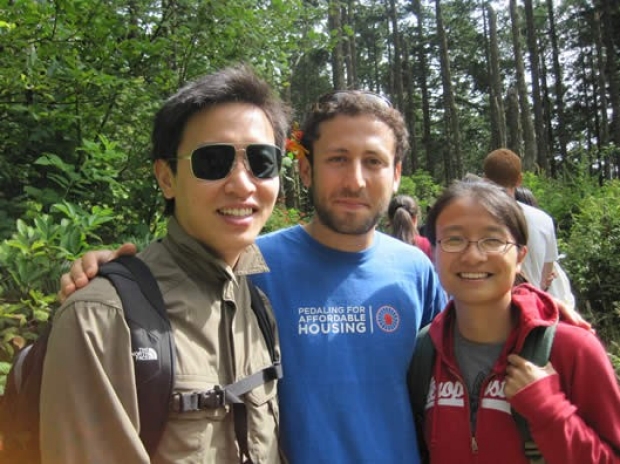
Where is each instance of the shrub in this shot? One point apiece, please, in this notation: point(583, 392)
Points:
point(561, 198)
point(422, 187)
point(593, 264)
point(282, 217)
point(31, 261)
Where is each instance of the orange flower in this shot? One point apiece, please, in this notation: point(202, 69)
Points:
point(293, 144)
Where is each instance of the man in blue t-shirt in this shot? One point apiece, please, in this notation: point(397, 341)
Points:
point(348, 299)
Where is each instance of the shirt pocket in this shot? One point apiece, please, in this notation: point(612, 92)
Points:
point(263, 415)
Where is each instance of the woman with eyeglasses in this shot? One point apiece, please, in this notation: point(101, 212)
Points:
point(572, 405)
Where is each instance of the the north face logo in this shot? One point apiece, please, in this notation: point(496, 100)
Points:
point(145, 354)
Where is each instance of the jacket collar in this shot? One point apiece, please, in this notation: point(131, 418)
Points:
point(532, 307)
point(197, 259)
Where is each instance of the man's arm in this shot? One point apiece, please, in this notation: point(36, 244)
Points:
point(89, 410)
point(85, 269)
point(546, 276)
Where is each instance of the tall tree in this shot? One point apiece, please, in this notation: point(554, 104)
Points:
point(529, 139)
point(548, 116)
point(539, 121)
point(611, 15)
point(561, 130)
point(336, 36)
point(603, 126)
point(410, 110)
point(513, 121)
point(397, 64)
point(422, 72)
point(348, 17)
point(498, 118)
point(453, 160)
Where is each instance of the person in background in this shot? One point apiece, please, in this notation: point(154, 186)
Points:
point(403, 213)
point(216, 154)
point(526, 196)
point(348, 299)
point(572, 405)
point(503, 167)
point(558, 283)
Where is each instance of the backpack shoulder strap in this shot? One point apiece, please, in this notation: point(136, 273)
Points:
point(419, 381)
point(536, 349)
point(152, 345)
point(258, 306)
point(234, 391)
point(139, 272)
point(420, 370)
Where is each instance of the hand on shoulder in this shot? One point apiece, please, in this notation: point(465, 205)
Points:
point(85, 268)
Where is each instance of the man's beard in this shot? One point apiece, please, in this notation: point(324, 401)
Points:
point(348, 226)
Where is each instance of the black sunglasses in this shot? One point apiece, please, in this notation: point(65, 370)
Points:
point(215, 161)
point(338, 95)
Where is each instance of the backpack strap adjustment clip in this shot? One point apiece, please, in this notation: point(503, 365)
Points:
point(198, 401)
point(212, 399)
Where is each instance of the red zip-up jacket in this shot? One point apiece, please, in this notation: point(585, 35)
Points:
point(574, 416)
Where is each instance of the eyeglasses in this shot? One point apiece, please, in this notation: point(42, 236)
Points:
point(215, 161)
point(487, 245)
point(339, 95)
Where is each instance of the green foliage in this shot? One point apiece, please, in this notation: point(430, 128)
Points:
point(614, 356)
point(593, 265)
point(283, 217)
point(4, 370)
point(31, 262)
point(81, 81)
point(422, 187)
point(93, 180)
point(561, 197)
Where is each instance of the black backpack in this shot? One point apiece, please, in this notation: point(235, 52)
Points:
point(536, 348)
point(152, 348)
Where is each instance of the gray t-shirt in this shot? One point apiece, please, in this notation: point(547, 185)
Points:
point(475, 361)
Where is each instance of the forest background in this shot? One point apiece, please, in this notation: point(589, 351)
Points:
point(80, 81)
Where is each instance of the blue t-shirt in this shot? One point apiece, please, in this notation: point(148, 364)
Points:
point(347, 324)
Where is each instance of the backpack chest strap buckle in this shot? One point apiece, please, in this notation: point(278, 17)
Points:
point(198, 401)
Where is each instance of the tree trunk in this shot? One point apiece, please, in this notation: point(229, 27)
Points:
point(529, 139)
point(514, 135)
point(453, 163)
point(335, 28)
point(539, 121)
point(397, 60)
point(498, 118)
point(351, 49)
point(548, 118)
point(590, 102)
point(611, 69)
point(423, 83)
point(559, 84)
point(601, 110)
point(409, 111)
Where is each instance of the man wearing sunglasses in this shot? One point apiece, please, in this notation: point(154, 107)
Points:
point(348, 299)
point(216, 153)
